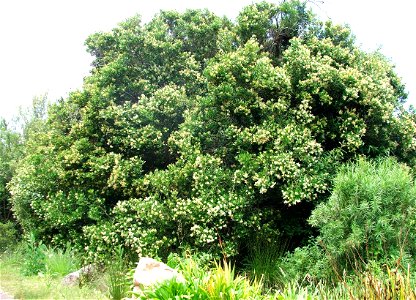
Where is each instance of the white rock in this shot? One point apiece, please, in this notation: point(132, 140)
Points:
point(150, 271)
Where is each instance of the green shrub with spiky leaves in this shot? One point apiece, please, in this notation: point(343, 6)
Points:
point(370, 216)
point(218, 281)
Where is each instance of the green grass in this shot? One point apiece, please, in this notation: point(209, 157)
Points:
point(60, 262)
point(43, 285)
point(119, 281)
point(262, 260)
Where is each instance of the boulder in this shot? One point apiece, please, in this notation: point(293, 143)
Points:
point(75, 278)
point(150, 271)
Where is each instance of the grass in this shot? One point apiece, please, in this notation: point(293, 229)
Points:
point(60, 262)
point(118, 280)
point(392, 284)
point(262, 262)
point(44, 285)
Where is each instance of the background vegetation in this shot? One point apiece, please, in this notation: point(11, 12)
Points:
point(196, 132)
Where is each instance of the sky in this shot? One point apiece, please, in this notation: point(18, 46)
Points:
point(42, 42)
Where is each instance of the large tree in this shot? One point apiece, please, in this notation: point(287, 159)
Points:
point(195, 131)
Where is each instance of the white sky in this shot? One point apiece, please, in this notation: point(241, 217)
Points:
point(42, 42)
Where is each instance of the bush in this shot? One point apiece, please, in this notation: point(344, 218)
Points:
point(39, 258)
point(217, 282)
point(8, 235)
point(370, 216)
point(190, 133)
point(59, 262)
point(33, 257)
point(305, 265)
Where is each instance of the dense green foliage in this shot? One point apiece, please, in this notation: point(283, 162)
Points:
point(196, 131)
point(370, 216)
point(367, 224)
point(8, 235)
point(14, 142)
point(10, 151)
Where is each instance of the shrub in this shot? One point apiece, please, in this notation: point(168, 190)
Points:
point(60, 262)
point(38, 258)
point(33, 256)
point(178, 139)
point(370, 216)
point(8, 235)
point(217, 282)
point(304, 265)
